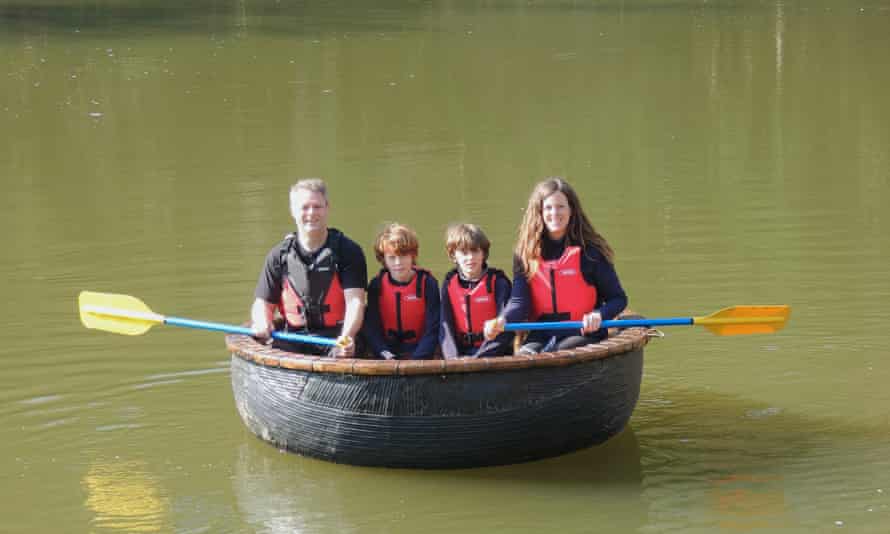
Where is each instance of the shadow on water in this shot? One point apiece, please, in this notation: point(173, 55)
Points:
point(616, 462)
point(616, 6)
point(735, 461)
point(138, 19)
point(85, 15)
point(709, 420)
point(744, 465)
point(282, 492)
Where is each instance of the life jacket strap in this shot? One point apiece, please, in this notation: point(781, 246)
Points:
point(401, 335)
point(554, 317)
point(471, 338)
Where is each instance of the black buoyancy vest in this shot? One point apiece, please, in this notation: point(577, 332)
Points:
point(313, 281)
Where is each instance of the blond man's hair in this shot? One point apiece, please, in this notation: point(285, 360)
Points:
point(315, 185)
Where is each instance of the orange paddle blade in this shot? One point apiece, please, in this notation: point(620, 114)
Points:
point(739, 320)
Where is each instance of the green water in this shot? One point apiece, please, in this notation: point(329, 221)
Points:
point(731, 153)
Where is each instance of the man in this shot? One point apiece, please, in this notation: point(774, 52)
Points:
point(315, 278)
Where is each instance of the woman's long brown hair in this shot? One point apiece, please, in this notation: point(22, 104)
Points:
point(531, 231)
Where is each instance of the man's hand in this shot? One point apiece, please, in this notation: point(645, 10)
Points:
point(261, 315)
point(262, 331)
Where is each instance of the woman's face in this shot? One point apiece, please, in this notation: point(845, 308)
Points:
point(557, 214)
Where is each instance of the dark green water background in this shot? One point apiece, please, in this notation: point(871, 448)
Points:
point(731, 152)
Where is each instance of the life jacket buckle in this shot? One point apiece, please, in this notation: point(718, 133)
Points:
point(472, 338)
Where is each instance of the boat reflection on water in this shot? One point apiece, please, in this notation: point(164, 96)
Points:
point(280, 492)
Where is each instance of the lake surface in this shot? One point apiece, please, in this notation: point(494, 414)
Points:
point(731, 152)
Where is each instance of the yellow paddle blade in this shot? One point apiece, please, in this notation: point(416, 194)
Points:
point(121, 314)
point(739, 320)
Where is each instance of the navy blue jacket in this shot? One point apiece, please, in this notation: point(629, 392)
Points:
point(597, 271)
point(451, 348)
point(372, 328)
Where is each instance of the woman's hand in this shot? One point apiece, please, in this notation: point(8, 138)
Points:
point(493, 328)
point(591, 322)
point(345, 347)
point(387, 355)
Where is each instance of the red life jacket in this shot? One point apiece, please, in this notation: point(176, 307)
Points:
point(559, 291)
point(311, 295)
point(471, 307)
point(403, 308)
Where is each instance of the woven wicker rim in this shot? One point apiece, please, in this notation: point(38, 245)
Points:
point(246, 348)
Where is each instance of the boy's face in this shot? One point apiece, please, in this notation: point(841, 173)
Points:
point(399, 265)
point(469, 262)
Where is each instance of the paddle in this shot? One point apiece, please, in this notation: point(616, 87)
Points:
point(123, 314)
point(732, 321)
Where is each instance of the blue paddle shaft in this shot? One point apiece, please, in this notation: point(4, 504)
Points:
point(232, 329)
point(613, 323)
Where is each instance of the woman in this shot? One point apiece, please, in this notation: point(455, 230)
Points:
point(562, 271)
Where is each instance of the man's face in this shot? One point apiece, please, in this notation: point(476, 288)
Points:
point(310, 210)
